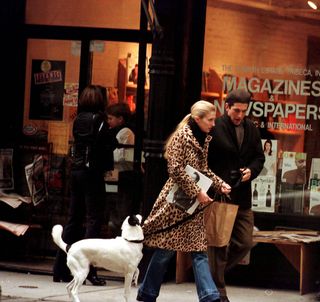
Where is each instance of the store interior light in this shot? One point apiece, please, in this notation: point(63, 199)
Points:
point(312, 5)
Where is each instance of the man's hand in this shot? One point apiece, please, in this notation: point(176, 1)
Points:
point(246, 174)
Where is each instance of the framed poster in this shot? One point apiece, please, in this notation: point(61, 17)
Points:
point(47, 90)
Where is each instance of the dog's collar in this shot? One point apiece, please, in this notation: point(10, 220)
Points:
point(134, 241)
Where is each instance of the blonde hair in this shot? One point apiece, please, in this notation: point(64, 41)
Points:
point(199, 109)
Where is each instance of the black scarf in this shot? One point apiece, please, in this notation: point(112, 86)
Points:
point(197, 132)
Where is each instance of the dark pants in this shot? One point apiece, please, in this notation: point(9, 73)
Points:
point(221, 259)
point(86, 212)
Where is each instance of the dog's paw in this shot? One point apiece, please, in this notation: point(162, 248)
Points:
point(134, 283)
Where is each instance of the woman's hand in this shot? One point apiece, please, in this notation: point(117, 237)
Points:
point(203, 197)
point(225, 188)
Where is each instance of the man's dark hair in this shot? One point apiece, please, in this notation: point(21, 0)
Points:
point(238, 96)
point(120, 110)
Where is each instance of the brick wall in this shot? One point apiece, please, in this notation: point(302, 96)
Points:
point(254, 39)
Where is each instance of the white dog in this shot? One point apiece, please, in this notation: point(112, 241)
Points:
point(121, 254)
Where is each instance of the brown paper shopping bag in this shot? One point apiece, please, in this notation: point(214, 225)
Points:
point(219, 219)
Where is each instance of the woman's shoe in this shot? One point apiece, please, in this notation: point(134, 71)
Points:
point(95, 280)
point(66, 278)
point(140, 298)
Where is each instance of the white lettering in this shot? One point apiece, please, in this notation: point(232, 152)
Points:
point(219, 106)
point(290, 108)
point(242, 84)
point(229, 83)
point(301, 111)
point(278, 84)
point(253, 85)
point(275, 87)
point(312, 111)
point(305, 88)
point(278, 111)
point(315, 88)
point(294, 87)
point(258, 109)
point(269, 107)
point(266, 86)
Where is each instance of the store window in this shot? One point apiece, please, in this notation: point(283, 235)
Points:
point(58, 70)
point(50, 110)
point(274, 56)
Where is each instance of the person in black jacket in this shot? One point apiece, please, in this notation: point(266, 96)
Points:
point(92, 155)
point(236, 155)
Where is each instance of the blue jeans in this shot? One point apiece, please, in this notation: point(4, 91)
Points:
point(150, 287)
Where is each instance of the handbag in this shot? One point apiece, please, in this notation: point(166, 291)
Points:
point(219, 218)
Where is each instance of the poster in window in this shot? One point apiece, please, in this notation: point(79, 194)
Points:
point(270, 148)
point(71, 91)
point(47, 90)
point(263, 188)
point(293, 180)
point(314, 186)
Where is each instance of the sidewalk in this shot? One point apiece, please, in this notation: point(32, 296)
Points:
point(20, 287)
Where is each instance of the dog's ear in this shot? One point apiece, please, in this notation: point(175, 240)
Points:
point(133, 220)
point(139, 217)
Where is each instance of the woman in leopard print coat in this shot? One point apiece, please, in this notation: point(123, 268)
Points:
point(188, 145)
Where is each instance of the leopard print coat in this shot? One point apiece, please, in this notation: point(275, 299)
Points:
point(189, 236)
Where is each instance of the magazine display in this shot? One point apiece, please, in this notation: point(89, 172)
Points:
point(180, 199)
point(36, 180)
point(6, 170)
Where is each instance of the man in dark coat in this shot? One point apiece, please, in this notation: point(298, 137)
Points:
point(236, 155)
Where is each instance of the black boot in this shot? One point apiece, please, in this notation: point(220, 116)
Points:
point(61, 272)
point(94, 279)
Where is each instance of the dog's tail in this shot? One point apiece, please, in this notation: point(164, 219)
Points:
point(57, 237)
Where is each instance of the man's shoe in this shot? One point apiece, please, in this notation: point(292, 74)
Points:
point(93, 277)
point(95, 280)
point(224, 299)
point(65, 278)
point(318, 296)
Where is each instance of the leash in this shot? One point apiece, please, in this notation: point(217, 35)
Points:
point(134, 241)
point(180, 222)
point(187, 218)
